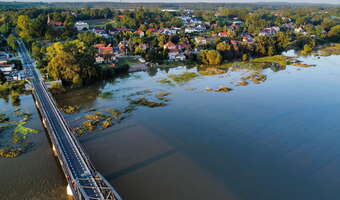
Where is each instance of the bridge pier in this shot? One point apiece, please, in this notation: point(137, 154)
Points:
point(69, 190)
point(54, 150)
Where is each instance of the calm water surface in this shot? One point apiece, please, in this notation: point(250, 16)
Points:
point(34, 175)
point(276, 140)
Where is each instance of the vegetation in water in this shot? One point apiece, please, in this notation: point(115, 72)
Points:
point(145, 102)
point(162, 95)
point(255, 77)
point(302, 65)
point(219, 89)
point(106, 95)
point(209, 71)
point(242, 83)
point(116, 114)
point(70, 109)
point(89, 125)
point(10, 152)
point(106, 123)
point(16, 132)
point(166, 82)
point(330, 50)
point(183, 77)
point(278, 59)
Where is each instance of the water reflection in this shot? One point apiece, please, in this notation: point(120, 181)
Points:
point(274, 140)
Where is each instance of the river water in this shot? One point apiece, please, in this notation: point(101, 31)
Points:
point(279, 139)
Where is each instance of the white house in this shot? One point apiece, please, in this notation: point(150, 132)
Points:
point(81, 25)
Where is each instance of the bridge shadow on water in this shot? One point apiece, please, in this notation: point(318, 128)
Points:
point(109, 132)
point(140, 165)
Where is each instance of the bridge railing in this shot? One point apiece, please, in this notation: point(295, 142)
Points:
point(68, 174)
point(103, 185)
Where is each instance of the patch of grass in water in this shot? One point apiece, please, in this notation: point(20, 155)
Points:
point(210, 71)
point(330, 50)
point(10, 152)
point(302, 65)
point(162, 95)
point(70, 109)
point(144, 102)
point(115, 114)
point(279, 59)
point(183, 77)
point(166, 82)
point(106, 95)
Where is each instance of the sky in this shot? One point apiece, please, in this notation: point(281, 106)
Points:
point(173, 1)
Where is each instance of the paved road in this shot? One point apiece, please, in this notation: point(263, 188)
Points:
point(79, 172)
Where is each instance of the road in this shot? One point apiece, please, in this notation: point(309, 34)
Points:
point(85, 181)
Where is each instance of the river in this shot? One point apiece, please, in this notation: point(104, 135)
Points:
point(279, 139)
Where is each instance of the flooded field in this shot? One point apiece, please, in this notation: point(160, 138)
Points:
point(247, 132)
point(243, 132)
point(35, 174)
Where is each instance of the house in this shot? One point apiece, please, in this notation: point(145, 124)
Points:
point(104, 53)
point(181, 46)
point(237, 23)
point(80, 26)
point(100, 45)
point(53, 23)
point(180, 57)
point(167, 31)
point(269, 31)
point(223, 34)
point(7, 68)
point(300, 30)
point(105, 50)
point(190, 30)
point(143, 46)
point(152, 30)
point(122, 29)
point(248, 39)
point(200, 40)
point(140, 33)
point(234, 42)
point(173, 53)
point(99, 59)
point(170, 46)
point(288, 26)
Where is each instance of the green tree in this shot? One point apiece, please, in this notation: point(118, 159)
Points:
point(88, 37)
point(210, 57)
point(71, 62)
point(23, 25)
point(334, 33)
point(11, 42)
point(2, 77)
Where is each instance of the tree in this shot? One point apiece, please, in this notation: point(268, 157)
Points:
point(334, 33)
point(11, 42)
point(71, 62)
point(2, 77)
point(210, 57)
point(5, 29)
point(307, 49)
point(23, 25)
point(88, 37)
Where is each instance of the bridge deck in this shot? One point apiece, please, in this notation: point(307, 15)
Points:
point(84, 180)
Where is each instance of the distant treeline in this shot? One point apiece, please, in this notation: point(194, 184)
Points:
point(195, 6)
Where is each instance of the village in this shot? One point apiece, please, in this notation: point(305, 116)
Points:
point(10, 64)
point(198, 36)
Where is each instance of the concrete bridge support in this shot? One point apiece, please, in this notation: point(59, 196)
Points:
point(69, 190)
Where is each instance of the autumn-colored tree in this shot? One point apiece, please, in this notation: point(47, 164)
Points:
point(210, 57)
